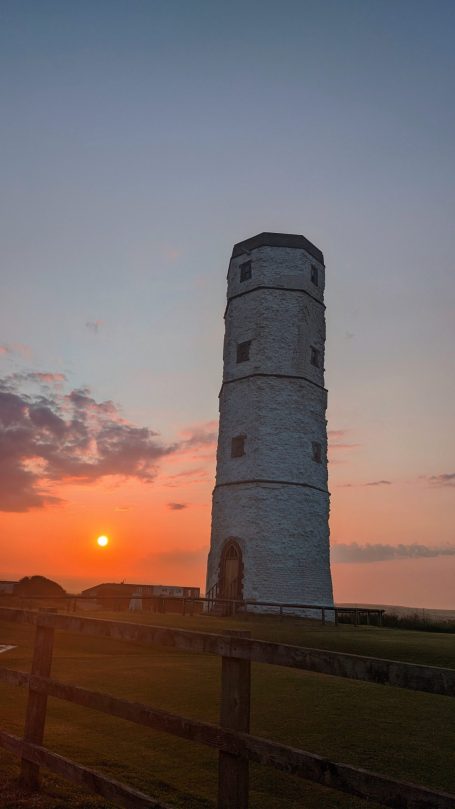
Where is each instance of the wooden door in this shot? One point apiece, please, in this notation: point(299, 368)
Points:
point(231, 572)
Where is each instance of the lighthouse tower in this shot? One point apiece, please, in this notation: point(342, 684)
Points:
point(270, 532)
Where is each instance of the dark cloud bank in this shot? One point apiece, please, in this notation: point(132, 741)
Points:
point(441, 480)
point(354, 552)
point(48, 436)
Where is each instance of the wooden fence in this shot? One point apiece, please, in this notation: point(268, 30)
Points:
point(236, 746)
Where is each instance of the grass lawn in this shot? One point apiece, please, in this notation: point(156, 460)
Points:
point(400, 733)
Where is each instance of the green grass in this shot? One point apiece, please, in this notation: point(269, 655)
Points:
point(400, 733)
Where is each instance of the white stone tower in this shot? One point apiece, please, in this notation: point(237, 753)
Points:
point(270, 531)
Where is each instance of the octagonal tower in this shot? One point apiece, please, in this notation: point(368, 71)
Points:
point(270, 531)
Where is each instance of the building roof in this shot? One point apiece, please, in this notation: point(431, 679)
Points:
point(278, 240)
point(132, 585)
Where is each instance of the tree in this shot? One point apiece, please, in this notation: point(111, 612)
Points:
point(38, 586)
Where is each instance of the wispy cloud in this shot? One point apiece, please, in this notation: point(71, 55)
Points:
point(31, 380)
point(41, 377)
point(446, 479)
point(355, 552)
point(335, 435)
point(370, 483)
point(200, 435)
point(185, 478)
point(337, 440)
point(15, 349)
point(173, 556)
point(171, 253)
point(177, 506)
point(94, 325)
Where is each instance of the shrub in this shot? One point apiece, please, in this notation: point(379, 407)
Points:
point(38, 586)
point(416, 621)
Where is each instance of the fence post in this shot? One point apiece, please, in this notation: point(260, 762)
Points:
point(35, 716)
point(234, 715)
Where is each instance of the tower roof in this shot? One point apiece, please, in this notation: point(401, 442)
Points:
point(277, 240)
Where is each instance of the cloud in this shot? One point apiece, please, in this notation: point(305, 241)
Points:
point(94, 325)
point(18, 349)
point(186, 478)
point(171, 253)
point(337, 440)
point(177, 506)
point(446, 479)
point(370, 483)
point(44, 378)
point(173, 556)
point(354, 552)
point(48, 436)
point(200, 435)
point(336, 434)
point(33, 378)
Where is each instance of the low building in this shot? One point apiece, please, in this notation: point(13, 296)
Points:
point(7, 586)
point(118, 595)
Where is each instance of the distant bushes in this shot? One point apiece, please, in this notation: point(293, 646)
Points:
point(37, 586)
point(416, 621)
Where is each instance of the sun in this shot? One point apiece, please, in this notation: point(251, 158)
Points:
point(102, 541)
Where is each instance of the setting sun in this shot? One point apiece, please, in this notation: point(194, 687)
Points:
point(102, 541)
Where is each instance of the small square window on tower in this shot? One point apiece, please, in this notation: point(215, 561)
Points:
point(245, 271)
point(314, 275)
point(238, 446)
point(316, 451)
point(315, 357)
point(243, 351)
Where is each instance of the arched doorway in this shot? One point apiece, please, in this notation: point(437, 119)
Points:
point(230, 580)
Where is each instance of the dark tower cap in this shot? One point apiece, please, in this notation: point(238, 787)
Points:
point(277, 240)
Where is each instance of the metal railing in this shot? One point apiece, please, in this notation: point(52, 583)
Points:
point(213, 604)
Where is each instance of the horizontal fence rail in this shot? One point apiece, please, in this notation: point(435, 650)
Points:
point(235, 744)
point(431, 679)
point(94, 781)
point(309, 766)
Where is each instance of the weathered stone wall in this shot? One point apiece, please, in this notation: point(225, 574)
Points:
point(282, 531)
point(274, 499)
point(280, 418)
point(276, 266)
point(282, 326)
